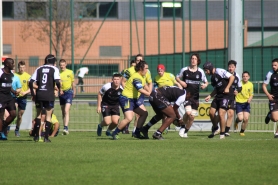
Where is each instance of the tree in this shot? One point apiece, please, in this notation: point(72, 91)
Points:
point(38, 25)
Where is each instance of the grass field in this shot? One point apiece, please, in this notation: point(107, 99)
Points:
point(84, 158)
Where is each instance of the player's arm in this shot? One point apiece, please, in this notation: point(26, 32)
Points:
point(212, 94)
point(77, 72)
point(123, 82)
point(182, 83)
point(55, 129)
point(231, 81)
point(99, 99)
point(269, 96)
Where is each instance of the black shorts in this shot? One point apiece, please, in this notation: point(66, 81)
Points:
point(218, 103)
point(110, 110)
point(158, 102)
point(232, 105)
point(44, 104)
point(273, 105)
point(193, 102)
point(9, 105)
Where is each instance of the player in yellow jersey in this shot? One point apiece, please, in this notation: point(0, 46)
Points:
point(164, 79)
point(243, 100)
point(130, 100)
point(67, 81)
point(128, 73)
point(21, 99)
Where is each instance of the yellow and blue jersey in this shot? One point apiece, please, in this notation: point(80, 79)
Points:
point(24, 79)
point(167, 79)
point(67, 78)
point(130, 71)
point(246, 92)
point(134, 83)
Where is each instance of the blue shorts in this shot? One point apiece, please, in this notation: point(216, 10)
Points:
point(128, 104)
point(21, 102)
point(66, 97)
point(242, 107)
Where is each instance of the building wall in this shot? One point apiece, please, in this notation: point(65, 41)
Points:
point(117, 33)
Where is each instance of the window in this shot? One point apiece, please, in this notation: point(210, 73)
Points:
point(152, 9)
point(169, 8)
point(166, 9)
point(104, 7)
point(97, 10)
point(7, 49)
point(33, 61)
point(8, 9)
point(88, 10)
point(36, 10)
point(110, 51)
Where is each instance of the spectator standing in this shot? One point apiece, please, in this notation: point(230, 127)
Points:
point(81, 73)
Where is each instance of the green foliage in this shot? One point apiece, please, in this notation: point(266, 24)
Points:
point(84, 158)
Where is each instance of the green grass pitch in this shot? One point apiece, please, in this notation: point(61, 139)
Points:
point(84, 158)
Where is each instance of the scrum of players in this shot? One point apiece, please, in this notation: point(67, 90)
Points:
point(174, 99)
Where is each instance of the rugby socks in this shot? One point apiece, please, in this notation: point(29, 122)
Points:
point(227, 129)
point(66, 128)
point(186, 130)
point(116, 131)
point(183, 126)
point(16, 128)
point(242, 131)
point(152, 122)
point(137, 130)
point(37, 127)
point(47, 129)
point(158, 132)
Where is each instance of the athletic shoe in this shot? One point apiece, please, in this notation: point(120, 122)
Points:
point(16, 133)
point(227, 134)
point(267, 118)
point(65, 132)
point(3, 136)
point(276, 136)
point(108, 133)
point(165, 131)
point(177, 128)
point(115, 136)
point(185, 135)
point(181, 132)
point(138, 135)
point(158, 136)
point(46, 140)
point(126, 132)
point(222, 136)
point(144, 131)
point(241, 134)
point(214, 132)
point(36, 139)
point(99, 130)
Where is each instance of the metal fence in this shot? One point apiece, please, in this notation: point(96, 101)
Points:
point(84, 117)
